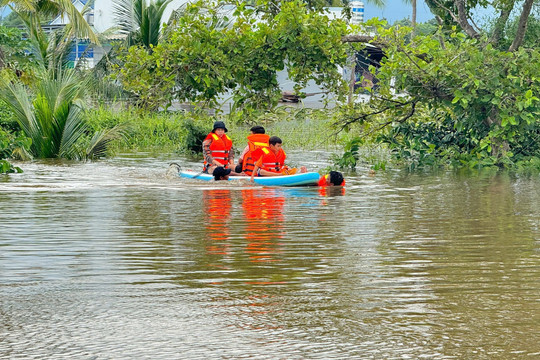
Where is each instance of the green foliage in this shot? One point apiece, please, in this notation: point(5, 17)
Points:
point(194, 137)
point(183, 132)
point(51, 113)
point(7, 119)
point(357, 151)
point(12, 146)
point(427, 28)
point(444, 8)
point(48, 49)
point(14, 51)
point(450, 112)
point(532, 37)
point(6, 167)
point(202, 59)
point(350, 156)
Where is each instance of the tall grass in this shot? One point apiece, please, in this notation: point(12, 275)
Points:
point(183, 132)
point(165, 132)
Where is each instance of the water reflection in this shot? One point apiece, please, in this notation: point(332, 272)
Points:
point(331, 191)
point(217, 210)
point(263, 212)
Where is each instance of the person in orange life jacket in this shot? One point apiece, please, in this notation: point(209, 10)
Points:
point(271, 160)
point(334, 178)
point(217, 149)
point(220, 173)
point(256, 139)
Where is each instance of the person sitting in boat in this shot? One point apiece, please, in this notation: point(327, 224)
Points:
point(271, 161)
point(220, 173)
point(334, 178)
point(217, 149)
point(256, 139)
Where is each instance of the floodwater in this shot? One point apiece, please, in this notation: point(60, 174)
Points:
point(118, 259)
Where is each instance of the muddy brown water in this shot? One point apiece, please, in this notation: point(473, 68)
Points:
point(118, 259)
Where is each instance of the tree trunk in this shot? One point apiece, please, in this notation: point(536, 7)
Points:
point(463, 21)
point(413, 17)
point(501, 23)
point(499, 147)
point(352, 78)
point(522, 26)
point(357, 38)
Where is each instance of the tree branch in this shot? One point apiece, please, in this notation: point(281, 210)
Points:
point(357, 38)
point(395, 105)
point(450, 12)
point(522, 26)
point(501, 22)
point(463, 19)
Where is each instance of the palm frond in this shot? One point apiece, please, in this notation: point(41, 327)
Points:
point(124, 15)
point(25, 5)
point(140, 21)
point(73, 129)
point(378, 3)
point(18, 100)
point(100, 141)
point(77, 20)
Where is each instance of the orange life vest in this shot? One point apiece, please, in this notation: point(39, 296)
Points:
point(255, 141)
point(323, 179)
point(219, 149)
point(273, 162)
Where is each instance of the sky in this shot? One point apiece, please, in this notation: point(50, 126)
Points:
point(397, 10)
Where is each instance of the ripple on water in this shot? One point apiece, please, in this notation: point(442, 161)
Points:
point(117, 260)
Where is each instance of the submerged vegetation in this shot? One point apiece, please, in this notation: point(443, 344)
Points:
point(446, 94)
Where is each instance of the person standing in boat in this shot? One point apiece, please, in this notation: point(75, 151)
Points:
point(217, 149)
point(271, 161)
point(256, 139)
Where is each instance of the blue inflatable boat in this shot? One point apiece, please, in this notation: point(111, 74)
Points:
point(302, 179)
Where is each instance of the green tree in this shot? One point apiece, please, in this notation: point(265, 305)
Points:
point(14, 50)
point(466, 93)
point(202, 59)
point(459, 13)
point(32, 12)
point(460, 99)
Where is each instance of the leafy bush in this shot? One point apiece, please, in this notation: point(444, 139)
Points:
point(7, 119)
point(12, 146)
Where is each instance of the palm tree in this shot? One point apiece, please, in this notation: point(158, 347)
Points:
point(413, 16)
point(51, 113)
point(34, 11)
point(49, 49)
point(139, 21)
